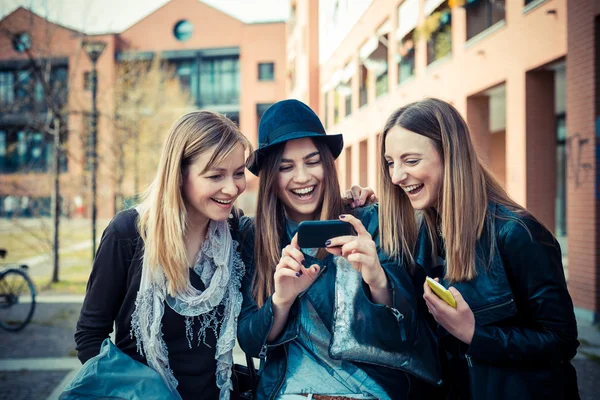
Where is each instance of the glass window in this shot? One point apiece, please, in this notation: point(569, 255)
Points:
point(266, 71)
point(482, 14)
point(439, 44)
point(364, 76)
point(6, 87)
point(406, 57)
point(326, 109)
point(186, 72)
point(220, 81)
point(183, 30)
point(26, 151)
point(381, 84)
point(260, 110)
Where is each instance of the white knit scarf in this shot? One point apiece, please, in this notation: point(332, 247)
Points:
point(221, 269)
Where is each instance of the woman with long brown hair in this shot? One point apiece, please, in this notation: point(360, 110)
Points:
point(337, 322)
point(513, 331)
point(167, 274)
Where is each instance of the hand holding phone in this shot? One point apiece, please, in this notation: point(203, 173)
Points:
point(314, 234)
point(441, 292)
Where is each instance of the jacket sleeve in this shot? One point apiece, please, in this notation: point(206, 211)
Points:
point(394, 327)
point(534, 268)
point(105, 291)
point(254, 323)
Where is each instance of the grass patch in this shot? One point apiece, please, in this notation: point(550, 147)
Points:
point(586, 343)
point(592, 357)
point(30, 237)
point(65, 286)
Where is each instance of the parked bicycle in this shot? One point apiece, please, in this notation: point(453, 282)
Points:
point(17, 296)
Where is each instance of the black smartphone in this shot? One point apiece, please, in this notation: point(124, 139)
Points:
point(314, 234)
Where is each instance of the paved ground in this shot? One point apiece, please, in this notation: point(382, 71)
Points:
point(39, 361)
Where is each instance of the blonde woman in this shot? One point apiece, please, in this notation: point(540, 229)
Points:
point(167, 274)
point(513, 332)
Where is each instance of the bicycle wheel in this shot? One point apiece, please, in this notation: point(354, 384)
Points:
point(17, 300)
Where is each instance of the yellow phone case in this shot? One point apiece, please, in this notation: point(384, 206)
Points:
point(441, 292)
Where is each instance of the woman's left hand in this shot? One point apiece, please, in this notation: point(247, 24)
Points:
point(459, 321)
point(361, 252)
point(358, 196)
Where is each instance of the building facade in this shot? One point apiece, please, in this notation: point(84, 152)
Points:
point(221, 63)
point(524, 73)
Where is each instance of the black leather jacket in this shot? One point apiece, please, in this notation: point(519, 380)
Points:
point(386, 342)
point(525, 332)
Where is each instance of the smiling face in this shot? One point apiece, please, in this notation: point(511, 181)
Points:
point(211, 194)
point(300, 179)
point(415, 166)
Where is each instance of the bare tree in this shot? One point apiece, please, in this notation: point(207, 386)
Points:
point(148, 99)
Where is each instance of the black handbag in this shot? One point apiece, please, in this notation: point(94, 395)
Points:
point(245, 380)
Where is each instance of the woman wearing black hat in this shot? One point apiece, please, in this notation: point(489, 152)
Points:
point(334, 323)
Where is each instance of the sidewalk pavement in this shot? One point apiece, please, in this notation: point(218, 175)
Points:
point(38, 362)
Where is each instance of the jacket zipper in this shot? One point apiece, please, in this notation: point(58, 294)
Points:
point(399, 317)
point(486, 308)
point(282, 379)
point(469, 362)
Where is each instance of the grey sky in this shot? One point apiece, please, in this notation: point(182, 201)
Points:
point(101, 16)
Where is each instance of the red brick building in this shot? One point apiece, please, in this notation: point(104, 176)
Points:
point(524, 73)
point(224, 65)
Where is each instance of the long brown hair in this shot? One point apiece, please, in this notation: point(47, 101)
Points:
point(468, 186)
point(163, 218)
point(270, 216)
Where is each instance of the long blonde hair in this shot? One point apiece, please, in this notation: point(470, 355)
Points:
point(467, 188)
point(163, 218)
point(270, 216)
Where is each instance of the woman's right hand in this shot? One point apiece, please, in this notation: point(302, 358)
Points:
point(291, 277)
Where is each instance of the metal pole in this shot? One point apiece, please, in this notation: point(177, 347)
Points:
point(56, 199)
point(94, 154)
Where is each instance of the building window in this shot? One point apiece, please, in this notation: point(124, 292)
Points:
point(482, 14)
point(381, 70)
point(260, 110)
point(363, 94)
point(20, 91)
point(21, 42)
point(292, 19)
point(24, 151)
point(344, 89)
point(406, 57)
point(183, 30)
point(187, 74)
point(6, 88)
point(336, 107)
point(220, 81)
point(87, 80)
point(381, 84)
point(439, 44)
point(266, 71)
point(326, 109)
point(349, 104)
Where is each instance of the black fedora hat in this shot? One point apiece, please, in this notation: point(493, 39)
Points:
point(288, 120)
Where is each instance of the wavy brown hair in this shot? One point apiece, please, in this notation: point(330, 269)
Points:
point(270, 216)
point(467, 188)
point(163, 218)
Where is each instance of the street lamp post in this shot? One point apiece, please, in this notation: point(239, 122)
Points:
point(93, 49)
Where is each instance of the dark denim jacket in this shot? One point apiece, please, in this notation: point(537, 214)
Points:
point(525, 328)
point(386, 342)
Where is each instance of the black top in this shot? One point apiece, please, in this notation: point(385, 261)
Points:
point(110, 298)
